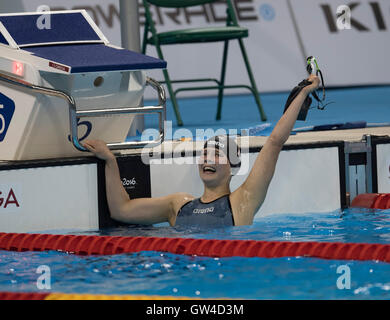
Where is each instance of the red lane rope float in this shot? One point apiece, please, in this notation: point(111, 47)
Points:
point(108, 245)
point(372, 201)
point(22, 296)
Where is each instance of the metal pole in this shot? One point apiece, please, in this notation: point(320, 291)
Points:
point(369, 164)
point(129, 13)
point(130, 35)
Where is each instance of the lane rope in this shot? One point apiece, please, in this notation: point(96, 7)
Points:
point(109, 245)
point(372, 201)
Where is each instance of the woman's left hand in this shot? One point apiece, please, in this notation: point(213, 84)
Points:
point(315, 83)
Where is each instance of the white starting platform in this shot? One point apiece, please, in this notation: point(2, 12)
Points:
point(66, 83)
point(62, 85)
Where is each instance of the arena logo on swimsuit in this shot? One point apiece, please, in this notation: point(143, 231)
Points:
point(203, 210)
point(7, 109)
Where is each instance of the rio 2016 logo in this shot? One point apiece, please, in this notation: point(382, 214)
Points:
point(7, 109)
point(129, 183)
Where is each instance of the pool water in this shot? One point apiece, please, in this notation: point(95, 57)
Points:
point(156, 273)
point(350, 225)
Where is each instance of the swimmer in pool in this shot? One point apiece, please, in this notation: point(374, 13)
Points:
point(218, 206)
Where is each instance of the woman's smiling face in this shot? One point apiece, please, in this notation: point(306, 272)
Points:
point(214, 167)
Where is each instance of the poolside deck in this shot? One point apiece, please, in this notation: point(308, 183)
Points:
point(369, 104)
point(350, 135)
point(310, 137)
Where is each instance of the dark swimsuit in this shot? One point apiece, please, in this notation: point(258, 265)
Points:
point(217, 213)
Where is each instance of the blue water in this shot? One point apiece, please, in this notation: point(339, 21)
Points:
point(350, 225)
point(251, 278)
point(175, 275)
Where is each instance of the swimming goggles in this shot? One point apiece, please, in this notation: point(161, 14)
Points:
point(312, 68)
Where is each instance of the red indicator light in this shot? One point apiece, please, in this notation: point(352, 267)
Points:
point(18, 68)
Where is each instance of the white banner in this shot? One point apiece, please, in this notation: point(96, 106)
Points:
point(281, 34)
point(10, 198)
point(49, 198)
point(355, 56)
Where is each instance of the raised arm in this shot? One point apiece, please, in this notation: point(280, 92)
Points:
point(135, 211)
point(248, 198)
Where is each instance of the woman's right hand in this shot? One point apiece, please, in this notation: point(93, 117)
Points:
point(99, 148)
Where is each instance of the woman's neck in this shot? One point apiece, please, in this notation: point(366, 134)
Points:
point(211, 194)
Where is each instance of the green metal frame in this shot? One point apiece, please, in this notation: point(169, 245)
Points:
point(231, 21)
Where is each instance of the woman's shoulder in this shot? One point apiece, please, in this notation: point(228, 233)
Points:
point(179, 199)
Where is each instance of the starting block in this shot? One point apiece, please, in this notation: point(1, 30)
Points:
point(63, 84)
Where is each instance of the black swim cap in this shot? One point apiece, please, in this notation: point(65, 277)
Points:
point(228, 146)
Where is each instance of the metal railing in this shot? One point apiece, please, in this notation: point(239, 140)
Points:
point(74, 115)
